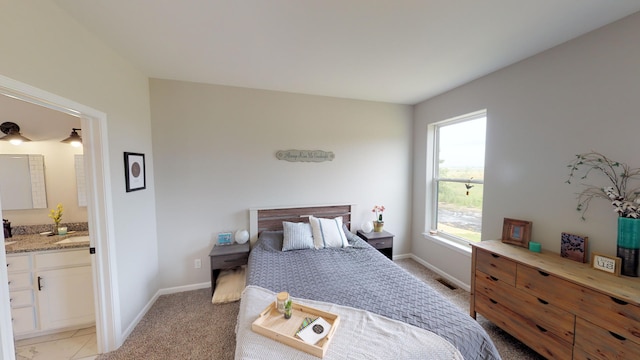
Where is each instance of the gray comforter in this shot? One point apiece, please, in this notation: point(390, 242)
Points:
point(359, 276)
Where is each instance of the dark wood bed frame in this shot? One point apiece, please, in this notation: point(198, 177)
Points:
point(271, 219)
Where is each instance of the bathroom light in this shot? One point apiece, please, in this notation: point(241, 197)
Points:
point(74, 139)
point(13, 133)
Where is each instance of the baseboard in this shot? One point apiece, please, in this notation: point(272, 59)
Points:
point(442, 273)
point(155, 297)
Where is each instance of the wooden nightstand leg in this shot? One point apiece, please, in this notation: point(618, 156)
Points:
point(214, 277)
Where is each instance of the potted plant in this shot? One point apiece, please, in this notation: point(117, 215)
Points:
point(56, 216)
point(624, 197)
point(288, 309)
point(378, 224)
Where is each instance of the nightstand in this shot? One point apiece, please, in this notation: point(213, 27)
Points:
point(383, 241)
point(227, 257)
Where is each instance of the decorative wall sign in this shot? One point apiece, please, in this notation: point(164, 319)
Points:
point(134, 172)
point(305, 155)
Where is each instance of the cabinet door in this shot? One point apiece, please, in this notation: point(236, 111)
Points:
point(65, 297)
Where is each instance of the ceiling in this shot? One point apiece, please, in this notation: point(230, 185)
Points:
point(400, 51)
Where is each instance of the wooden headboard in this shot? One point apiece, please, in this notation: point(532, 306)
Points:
point(271, 219)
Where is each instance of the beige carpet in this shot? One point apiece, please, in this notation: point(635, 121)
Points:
point(188, 326)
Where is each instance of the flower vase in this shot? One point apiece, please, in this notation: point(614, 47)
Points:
point(629, 245)
point(377, 226)
point(54, 231)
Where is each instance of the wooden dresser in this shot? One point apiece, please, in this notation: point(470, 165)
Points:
point(560, 308)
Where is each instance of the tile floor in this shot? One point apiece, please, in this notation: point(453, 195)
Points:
point(69, 345)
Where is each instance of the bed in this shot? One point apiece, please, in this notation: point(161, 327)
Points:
point(357, 276)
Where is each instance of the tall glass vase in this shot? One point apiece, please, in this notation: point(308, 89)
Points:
point(629, 245)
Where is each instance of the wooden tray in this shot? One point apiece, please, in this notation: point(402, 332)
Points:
point(272, 324)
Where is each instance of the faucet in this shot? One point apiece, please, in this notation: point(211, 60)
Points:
point(7, 228)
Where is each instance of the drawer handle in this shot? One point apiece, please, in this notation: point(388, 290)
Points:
point(543, 302)
point(543, 273)
point(39, 283)
point(493, 301)
point(618, 301)
point(233, 260)
point(619, 337)
point(541, 328)
point(493, 278)
point(495, 256)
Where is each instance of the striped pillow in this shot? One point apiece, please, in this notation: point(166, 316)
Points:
point(296, 236)
point(328, 233)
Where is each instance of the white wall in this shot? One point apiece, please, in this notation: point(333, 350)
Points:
point(215, 146)
point(44, 47)
point(577, 97)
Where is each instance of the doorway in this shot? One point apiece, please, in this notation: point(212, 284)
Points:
point(99, 214)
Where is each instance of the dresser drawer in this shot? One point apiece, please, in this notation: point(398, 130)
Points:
point(497, 266)
point(544, 315)
point(381, 243)
point(616, 315)
point(604, 344)
point(20, 298)
point(539, 339)
point(18, 263)
point(20, 280)
point(561, 293)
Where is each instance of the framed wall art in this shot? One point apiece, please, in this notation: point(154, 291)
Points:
point(516, 232)
point(610, 264)
point(573, 247)
point(134, 171)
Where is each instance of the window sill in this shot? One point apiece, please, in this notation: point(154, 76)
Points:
point(464, 249)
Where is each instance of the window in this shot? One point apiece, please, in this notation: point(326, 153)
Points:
point(458, 177)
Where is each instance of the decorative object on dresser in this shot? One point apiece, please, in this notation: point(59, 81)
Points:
point(516, 232)
point(624, 197)
point(573, 247)
point(609, 264)
point(562, 309)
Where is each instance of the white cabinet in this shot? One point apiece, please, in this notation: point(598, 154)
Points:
point(21, 297)
point(50, 290)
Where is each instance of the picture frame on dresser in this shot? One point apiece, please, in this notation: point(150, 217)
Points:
point(516, 232)
point(606, 263)
point(573, 247)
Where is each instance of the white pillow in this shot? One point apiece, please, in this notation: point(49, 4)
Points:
point(296, 236)
point(328, 233)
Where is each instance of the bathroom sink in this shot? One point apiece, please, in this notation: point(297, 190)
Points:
point(73, 240)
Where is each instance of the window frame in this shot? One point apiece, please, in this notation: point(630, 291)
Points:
point(434, 181)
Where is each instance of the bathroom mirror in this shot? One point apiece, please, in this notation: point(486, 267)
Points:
point(22, 182)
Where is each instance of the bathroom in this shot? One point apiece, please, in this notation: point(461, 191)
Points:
point(63, 182)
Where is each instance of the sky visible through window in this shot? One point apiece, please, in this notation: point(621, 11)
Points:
point(462, 144)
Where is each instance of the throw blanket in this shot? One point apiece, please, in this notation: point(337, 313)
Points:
point(360, 335)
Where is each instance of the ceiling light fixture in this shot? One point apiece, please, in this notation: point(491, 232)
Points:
point(74, 139)
point(13, 133)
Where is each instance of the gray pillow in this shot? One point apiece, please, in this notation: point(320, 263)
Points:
point(297, 236)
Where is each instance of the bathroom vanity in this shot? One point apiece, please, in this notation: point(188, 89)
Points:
point(50, 284)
